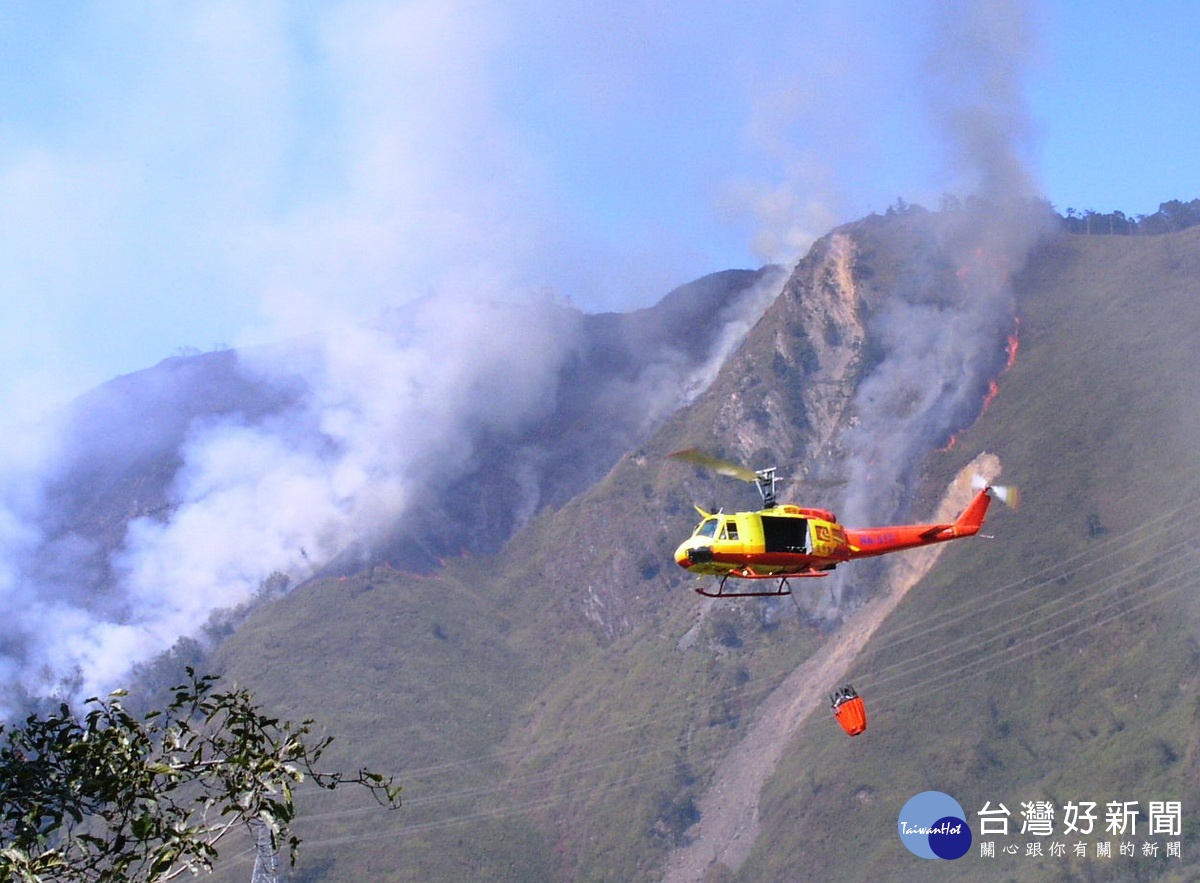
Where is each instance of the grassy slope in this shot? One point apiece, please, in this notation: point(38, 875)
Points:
point(1059, 661)
point(413, 675)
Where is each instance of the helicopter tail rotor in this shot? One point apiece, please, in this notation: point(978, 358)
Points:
point(1005, 493)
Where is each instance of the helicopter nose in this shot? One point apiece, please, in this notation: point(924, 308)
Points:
point(681, 557)
point(689, 554)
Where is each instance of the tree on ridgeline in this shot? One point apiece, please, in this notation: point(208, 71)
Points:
point(1171, 217)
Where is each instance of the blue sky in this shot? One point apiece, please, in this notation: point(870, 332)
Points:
point(198, 172)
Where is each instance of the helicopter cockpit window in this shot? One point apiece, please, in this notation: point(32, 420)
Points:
point(708, 528)
point(729, 530)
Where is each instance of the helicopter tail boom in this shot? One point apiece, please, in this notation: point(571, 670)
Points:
point(881, 540)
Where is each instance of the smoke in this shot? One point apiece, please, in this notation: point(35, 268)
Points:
point(281, 458)
point(979, 57)
point(940, 337)
point(257, 174)
point(381, 407)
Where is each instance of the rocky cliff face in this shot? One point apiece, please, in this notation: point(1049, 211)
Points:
point(814, 339)
point(426, 438)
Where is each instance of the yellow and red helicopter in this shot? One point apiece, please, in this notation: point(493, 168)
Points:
point(781, 542)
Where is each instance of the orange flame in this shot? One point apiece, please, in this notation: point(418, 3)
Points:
point(993, 389)
point(1011, 346)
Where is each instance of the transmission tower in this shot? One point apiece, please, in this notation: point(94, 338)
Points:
point(266, 856)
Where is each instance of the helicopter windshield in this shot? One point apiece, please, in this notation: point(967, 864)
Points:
point(707, 528)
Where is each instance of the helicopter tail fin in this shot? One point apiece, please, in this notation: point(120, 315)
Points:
point(966, 525)
point(971, 520)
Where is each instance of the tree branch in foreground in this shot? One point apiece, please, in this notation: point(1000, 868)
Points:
point(110, 797)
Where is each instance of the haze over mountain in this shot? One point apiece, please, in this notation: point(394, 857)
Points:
point(339, 435)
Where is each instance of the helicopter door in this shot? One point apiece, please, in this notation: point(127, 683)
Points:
point(784, 534)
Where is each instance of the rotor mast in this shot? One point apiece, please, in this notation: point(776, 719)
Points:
point(764, 479)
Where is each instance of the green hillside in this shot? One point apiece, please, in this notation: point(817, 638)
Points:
point(556, 711)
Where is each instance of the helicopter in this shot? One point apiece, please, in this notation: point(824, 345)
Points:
point(782, 542)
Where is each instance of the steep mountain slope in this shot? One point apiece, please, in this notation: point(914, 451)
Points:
point(729, 823)
point(620, 376)
point(124, 443)
point(561, 707)
point(559, 710)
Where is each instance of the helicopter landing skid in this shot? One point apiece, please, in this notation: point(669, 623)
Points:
point(782, 589)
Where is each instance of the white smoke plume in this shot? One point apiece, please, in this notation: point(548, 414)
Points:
point(285, 494)
point(361, 420)
point(252, 171)
point(942, 336)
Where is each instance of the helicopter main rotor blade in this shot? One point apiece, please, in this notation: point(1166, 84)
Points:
point(735, 470)
point(820, 484)
point(716, 464)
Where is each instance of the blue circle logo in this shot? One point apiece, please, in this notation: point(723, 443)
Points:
point(933, 825)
